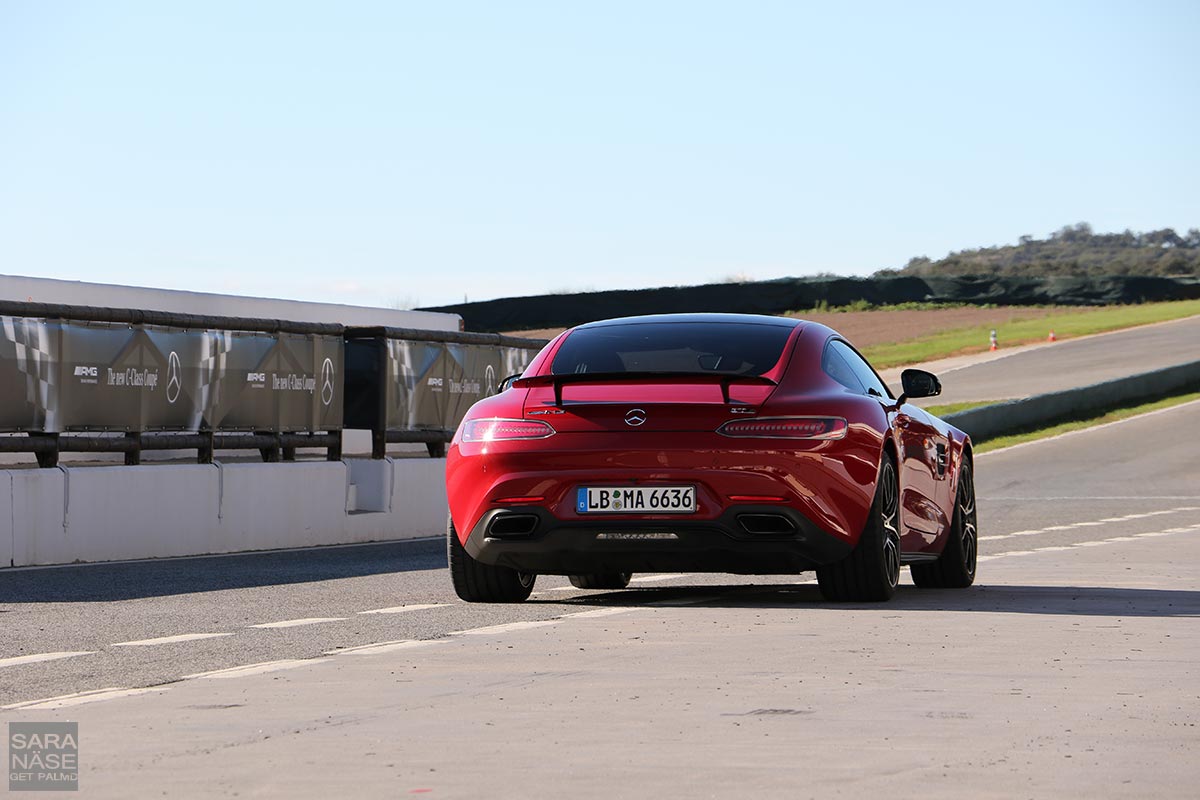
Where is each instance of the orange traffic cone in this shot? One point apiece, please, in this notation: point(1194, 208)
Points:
point(1052, 337)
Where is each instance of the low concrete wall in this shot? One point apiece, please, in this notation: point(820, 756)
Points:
point(7, 535)
point(71, 514)
point(988, 422)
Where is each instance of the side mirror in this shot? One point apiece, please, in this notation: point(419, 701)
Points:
point(918, 383)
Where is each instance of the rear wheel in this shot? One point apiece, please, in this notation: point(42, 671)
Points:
point(872, 570)
point(601, 580)
point(955, 568)
point(477, 582)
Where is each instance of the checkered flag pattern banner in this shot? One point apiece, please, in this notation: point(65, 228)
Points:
point(29, 348)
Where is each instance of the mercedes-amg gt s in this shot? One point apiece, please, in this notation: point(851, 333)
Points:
point(707, 442)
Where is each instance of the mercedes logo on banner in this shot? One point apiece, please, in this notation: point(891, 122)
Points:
point(174, 379)
point(635, 417)
point(327, 381)
point(489, 379)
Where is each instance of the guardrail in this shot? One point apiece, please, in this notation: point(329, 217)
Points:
point(415, 386)
point(83, 379)
point(1000, 419)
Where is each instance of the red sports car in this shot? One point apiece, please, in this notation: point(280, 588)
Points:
point(707, 442)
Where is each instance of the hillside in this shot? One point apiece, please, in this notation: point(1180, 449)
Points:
point(1074, 250)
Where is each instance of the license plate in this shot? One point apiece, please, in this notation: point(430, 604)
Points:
point(636, 500)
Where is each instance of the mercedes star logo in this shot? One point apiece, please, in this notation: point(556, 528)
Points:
point(635, 417)
point(174, 382)
point(327, 381)
point(489, 379)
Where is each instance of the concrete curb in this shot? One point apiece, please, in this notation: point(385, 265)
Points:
point(988, 422)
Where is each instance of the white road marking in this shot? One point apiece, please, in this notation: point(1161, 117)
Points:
point(669, 577)
point(383, 647)
point(1090, 524)
point(33, 659)
point(256, 669)
point(402, 609)
point(1093, 543)
point(1015, 498)
point(507, 627)
point(295, 623)
point(80, 698)
point(183, 637)
point(599, 612)
point(567, 588)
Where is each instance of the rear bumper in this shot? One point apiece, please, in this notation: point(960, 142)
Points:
point(530, 539)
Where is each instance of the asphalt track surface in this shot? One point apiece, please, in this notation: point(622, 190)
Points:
point(1070, 669)
point(1053, 367)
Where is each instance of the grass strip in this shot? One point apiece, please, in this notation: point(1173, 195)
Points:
point(1087, 421)
point(954, 408)
point(974, 339)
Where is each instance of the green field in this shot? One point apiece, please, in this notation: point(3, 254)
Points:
point(961, 341)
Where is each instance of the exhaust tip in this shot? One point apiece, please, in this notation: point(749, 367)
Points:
point(510, 525)
point(766, 524)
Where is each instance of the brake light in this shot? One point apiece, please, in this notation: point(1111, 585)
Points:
point(785, 428)
point(499, 430)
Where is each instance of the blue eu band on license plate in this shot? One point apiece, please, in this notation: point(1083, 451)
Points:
point(636, 500)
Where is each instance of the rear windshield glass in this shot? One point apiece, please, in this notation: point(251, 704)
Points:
point(705, 347)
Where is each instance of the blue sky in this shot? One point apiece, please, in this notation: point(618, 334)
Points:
point(390, 153)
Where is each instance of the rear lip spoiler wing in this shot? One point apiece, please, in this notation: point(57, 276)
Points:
point(558, 381)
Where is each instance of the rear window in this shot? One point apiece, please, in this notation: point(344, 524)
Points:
point(703, 347)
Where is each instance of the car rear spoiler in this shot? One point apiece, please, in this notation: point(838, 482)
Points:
point(558, 381)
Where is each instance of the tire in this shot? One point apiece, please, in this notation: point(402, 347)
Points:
point(477, 582)
point(601, 580)
point(872, 570)
point(955, 568)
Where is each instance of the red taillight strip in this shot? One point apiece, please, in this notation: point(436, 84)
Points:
point(512, 500)
point(499, 429)
point(818, 428)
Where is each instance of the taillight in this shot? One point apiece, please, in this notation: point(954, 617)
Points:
point(785, 428)
point(500, 430)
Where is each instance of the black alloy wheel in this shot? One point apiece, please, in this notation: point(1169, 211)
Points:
point(955, 568)
point(477, 582)
point(872, 570)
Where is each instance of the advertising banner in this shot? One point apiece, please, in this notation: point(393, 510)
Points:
point(274, 382)
point(105, 369)
point(28, 374)
point(431, 385)
point(415, 385)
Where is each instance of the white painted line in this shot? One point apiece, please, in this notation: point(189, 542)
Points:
point(80, 698)
point(402, 609)
point(599, 612)
point(183, 637)
point(256, 669)
point(1093, 543)
point(383, 647)
point(567, 588)
point(657, 578)
point(1099, 497)
point(33, 659)
point(1090, 524)
point(507, 627)
point(1093, 428)
point(295, 623)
